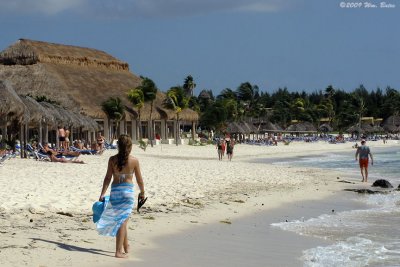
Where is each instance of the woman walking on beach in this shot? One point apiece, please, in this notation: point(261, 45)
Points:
point(114, 219)
point(220, 149)
point(229, 148)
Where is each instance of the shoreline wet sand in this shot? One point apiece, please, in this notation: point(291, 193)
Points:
point(246, 241)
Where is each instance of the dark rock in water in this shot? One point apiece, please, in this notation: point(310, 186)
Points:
point(382, 183)
point(363, 191)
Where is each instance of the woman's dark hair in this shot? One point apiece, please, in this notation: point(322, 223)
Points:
point(124, 149)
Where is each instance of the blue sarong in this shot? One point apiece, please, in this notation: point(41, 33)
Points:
point(117, 209)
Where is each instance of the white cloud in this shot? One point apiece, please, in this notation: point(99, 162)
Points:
point(144, 8)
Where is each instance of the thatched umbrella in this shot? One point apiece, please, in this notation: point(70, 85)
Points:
point(392, 124)
point(58, 119)
point(391, 128)
point(235, 127)
point(355, 129)
point(270, 127)
point(367, 128)
point(37, 112)
point(89, 123)
point(302, 127)
point(10, 103)
point(325, 128)
point(12, 107)
point(249, 127)
point(394, 119)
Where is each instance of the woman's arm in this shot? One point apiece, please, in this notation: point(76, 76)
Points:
point(107, 179)
point(139, 178)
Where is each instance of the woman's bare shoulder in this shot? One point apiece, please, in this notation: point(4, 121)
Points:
point(133, 160)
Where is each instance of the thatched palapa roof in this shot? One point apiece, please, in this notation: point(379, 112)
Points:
point(364, 128)
point(235, 127)
point(10, 103)
point(355, 129)
point(392, 120)
point(270, 127)
point(302, 127)
point(79, 78)
point(325, 128)
point(241, 127)
point(37, 112)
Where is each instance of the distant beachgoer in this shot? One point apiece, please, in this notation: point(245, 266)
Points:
point(223, 147)
point(229, 148)
point(67, 142)
point(100, 141)
point(53, 158)
point(61, 137)
point(220, 149)
point(114, 219)
point(363, 152)
point(59, 153)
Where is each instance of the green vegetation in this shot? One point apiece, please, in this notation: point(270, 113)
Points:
point(339, 108)
point(177, 101)
point(115, 110)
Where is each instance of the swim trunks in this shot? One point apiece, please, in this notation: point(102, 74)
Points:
point(363, 163)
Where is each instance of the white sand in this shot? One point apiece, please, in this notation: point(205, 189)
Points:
point(185, 185)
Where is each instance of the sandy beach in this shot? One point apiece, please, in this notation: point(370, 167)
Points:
point(45, 208)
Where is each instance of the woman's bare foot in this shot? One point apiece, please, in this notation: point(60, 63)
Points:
point(120, 255)
point(126, 248)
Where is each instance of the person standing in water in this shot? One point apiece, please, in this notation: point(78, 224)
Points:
point(114, 219)
point(362, 154)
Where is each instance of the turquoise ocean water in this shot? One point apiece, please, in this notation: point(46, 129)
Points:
point(367, 237)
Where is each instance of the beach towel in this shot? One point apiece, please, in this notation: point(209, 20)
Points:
point(117, 210)
point(98, 208)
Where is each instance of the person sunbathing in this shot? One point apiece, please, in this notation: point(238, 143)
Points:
point(58, 153)
point(53, 158)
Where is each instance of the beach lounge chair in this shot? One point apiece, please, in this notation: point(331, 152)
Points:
point(83, 151)
point(37, 154)
point(4, 158)
point(109, 146)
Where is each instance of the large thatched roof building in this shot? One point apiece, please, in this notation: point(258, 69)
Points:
point(79, 79)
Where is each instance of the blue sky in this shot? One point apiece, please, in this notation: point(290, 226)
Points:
point(298, 44)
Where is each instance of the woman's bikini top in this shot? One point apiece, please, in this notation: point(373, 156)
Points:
point(122, 176)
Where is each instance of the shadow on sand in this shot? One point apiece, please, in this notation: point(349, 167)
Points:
point(76, 248)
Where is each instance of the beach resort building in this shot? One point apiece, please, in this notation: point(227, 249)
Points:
point(75, 81)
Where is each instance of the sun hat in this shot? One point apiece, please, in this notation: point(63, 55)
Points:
point(98, 208)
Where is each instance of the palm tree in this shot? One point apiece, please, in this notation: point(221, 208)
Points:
point(216, 115)
point(297, 107)
point(189, 85)
point(177, 101)
point(227, 93)
point(114, 110)
point(249, 95)
point(136, 97)
point(149, 90)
